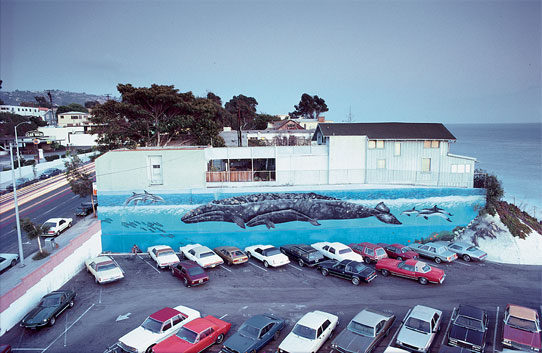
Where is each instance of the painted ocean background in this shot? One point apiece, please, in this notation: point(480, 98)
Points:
point(512, 152)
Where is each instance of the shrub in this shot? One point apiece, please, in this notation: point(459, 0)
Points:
point(52, 158)
point(29, 162)
point(519, 222)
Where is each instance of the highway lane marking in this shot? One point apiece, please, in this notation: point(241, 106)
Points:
point(54, 208)
point(227, 269)
point(447, 327)
point(154, 268)
point(66, 330)
point(297, 268)
point(28, 207)
point(261, 268)
point(495, 332)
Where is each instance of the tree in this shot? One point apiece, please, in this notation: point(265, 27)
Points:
point(42, 102)
point(79, 180)
point(309, 107)
point(261, 120)
point(9, 120)
point(91, 104)
point(73, 107)
point(34, 231)
point(243, 109)
point(28, 104)
point(494, 193)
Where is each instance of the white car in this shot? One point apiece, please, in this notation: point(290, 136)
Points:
point(268, 254)
point(202, 255)
point(309, 333)
point(156, 328)
point(337, 251)
point(104, 269)
point(419, 329)
point(57, 226)
point(163, 255)
point(8, 260)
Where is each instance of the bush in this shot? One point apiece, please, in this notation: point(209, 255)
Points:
point(440, 236)
point(518, 222)
point(52, 158)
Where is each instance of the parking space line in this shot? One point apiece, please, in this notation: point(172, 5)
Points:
point(495, 332)
point(66, 330)
point(463, 263)
point(447, 327)
point(261, 268)
point(154, 268)
point(297, 268)
point(223, 316)
point(27, 349)
point(227, 269)
point(397, 331)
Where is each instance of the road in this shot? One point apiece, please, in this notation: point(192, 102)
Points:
point(49, 198)
point(103, 313)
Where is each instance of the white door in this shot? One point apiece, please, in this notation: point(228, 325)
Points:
point(155, 165)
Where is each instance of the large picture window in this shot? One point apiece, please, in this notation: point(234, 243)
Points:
point(241, 170)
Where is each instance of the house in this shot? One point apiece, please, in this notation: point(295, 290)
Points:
point(73, 119)
point(24, 111)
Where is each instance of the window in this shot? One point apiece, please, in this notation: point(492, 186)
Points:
point(155, 169)
point(431, 144)
point(380, 164)
point(454, 168)
point(435, 144)
point(379, 144)
point(426, 144)
point(332, 250)
point(426, 164)
point(167, 326)
point(461, 168)
point(397, 150)
point(467, 168)
point(372, 144)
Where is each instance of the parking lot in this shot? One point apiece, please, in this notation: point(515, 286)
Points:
point(103, 313)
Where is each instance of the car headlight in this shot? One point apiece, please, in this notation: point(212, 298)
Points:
point(44, 320)
point(507, 341)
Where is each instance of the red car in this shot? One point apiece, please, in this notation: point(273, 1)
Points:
point(399, 252)
point(521, 328)
point(190, 273)
point(370, 252)
point(195, 336)
point(413, 269)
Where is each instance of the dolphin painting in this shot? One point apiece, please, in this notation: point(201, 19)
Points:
point(412, 211)
point(271, 208)
point(143, 197)
point(434, 212)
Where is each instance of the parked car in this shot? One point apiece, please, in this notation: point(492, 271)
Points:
point(47, 173)
point(195, 336)
point(104, 269)
point(57, 226)
point(163, 255)
point(370, 252)
point(204, 256)
point(309, 333)
point(268, 254)
point(156, 328)
point(231, 255)
point(337, 251)
point(437, 252)
point(353, 271)
point(467, 251)
point(49, 308)
point(521, 328)
point(190, 273)
point(303, 254)
point(8, 260)
point(412, 269)
point(419, 329)
point(85, 209)
point(468, 328)
point(254, 334)
point(399, 251)
point(19, 183)
point(364, 332)
point(5, 348)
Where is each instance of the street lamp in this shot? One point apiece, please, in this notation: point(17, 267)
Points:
point(17, 221)
point(17, 144)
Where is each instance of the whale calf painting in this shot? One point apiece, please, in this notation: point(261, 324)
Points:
point(271, 208)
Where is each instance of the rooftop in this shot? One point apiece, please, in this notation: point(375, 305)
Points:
point(388, 131)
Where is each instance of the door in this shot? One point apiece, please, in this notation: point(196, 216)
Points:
point(155, 170)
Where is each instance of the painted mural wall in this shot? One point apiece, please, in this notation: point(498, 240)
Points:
point(283, 216)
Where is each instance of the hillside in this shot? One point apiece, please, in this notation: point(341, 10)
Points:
point(59, 97)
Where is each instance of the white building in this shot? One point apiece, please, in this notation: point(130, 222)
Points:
point(24, 111)
point(73, 119)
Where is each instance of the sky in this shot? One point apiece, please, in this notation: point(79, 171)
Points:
point(371, 61)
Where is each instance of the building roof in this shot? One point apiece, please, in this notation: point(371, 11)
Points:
point(387, 131)
point(74, 113)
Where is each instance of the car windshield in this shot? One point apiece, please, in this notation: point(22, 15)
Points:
point(304, 331)
point(418, 325)
point(187, 335)
point(426, 268)
point(166, 252)
point(49, 224)
point(249, 331)
point(315, 256)
point(404, 250)
point(152, 325)
point(472, 248)
point(196, 270)
point(361, 329)
point(206, 254)
point(237, 253)
point(106, 266)
point(380, 252)
point(345, 251)
point(469, 322)
point(20, 181)
point(50, 301)
point(358, 267)
point(271, 251)
point(522, 324)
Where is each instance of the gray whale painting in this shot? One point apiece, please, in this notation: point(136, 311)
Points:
point(271, 208)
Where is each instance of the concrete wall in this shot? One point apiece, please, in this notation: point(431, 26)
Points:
point(58, 269)
point(347, 159)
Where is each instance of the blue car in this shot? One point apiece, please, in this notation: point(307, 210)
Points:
point(254, 334)
point(47, 173)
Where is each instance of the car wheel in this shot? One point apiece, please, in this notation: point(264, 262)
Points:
point(185, 281)
point(71, 303)
point(422, 280)
point(301, 263)
point(466, 258)
point(265, 264)
point(96, 280)
point(399, 258)
point(355, 281)
point(324, 272)
point(385, 272)
point(367, 260)
point(438, 260)
point(158, 266)
point(149, 350)
point(249, 255)
point(52, 321)
point(276, 335)
point(13, 262)
point(219, 339)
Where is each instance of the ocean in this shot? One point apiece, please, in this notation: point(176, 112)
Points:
point(512, 152)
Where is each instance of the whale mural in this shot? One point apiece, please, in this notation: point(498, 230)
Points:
point(144, 197)
point(271, 208)
point(434, 211)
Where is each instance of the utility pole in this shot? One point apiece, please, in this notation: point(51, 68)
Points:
point(239, 134)
point(17, 220)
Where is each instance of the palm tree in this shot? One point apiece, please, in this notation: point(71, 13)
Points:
point(34, 231)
